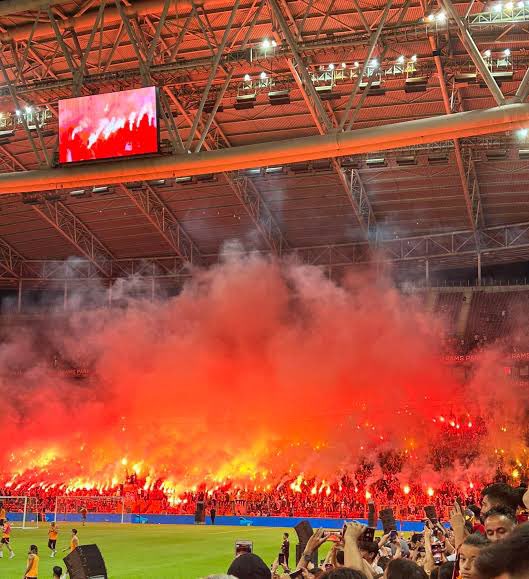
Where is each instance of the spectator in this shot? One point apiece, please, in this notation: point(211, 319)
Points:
point(499, 522)
point(404, 569)
point(249, 566)
point(508, 558)
point(444, 571)
point(474, 521)
point(468, 553)
point(499, 495)
point(284, 554)
point(352, 555)
point(369, 551)
point(343, 573)
point(383, 562)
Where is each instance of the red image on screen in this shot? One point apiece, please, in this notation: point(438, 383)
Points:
point(110, 125)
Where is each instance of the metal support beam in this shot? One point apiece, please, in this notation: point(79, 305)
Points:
point(212, 73)
point(472, 188)
point(523, 90)
point(251, 199)
point(10, 260)
point(77, 233)
point(213, 112)
point(158, 32)
point(449, 249)
point(358, 193)
point(364, 214)
point(161, 217)
point(370, 49)
point(80, 73)
point(12, 91)
point(83, 269)
point(70, 227)
point(308, 86)
point(391, 136)
point(452, 247)
point(473, 51)
point(142, 52)
point(47, 80)
point(247, 194)
point(467, 172)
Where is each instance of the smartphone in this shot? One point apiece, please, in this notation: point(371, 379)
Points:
point(437, 553)
point(295, 574)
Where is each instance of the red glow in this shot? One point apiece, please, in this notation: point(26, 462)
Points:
point(406, 489)
point(430, 492)
point(188, 390)
point(108, 125)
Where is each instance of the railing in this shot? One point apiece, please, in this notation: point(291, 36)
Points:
point(489, 285)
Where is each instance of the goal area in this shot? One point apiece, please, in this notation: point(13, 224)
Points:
point(96, 508)
point(21, 512)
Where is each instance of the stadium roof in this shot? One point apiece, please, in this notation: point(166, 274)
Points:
point(254, 72)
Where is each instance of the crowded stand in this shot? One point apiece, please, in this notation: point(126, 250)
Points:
point(349, 497)
point(476, 542)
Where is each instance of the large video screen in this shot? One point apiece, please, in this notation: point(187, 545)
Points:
point(104, 126)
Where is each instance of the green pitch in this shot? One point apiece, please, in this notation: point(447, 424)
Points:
point(148, 551)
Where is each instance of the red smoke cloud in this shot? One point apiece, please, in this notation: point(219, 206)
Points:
point(257, 371)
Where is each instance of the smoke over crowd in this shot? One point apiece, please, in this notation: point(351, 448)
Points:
point(257, 372)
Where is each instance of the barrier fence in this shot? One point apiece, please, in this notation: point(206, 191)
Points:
point(231, 521)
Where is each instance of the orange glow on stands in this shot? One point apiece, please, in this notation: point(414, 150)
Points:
point(298, 358)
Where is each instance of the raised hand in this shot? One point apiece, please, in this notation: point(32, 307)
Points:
point(354, 530)
point(315, 542)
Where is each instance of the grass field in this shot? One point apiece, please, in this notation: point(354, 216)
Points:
point(148, 551)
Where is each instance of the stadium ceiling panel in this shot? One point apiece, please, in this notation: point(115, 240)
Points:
point(241, 80)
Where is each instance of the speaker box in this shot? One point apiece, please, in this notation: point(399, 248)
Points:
point(388, 520)
point(304, 532)
point(431, 513)
point(86, 562)
point(200, 513)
